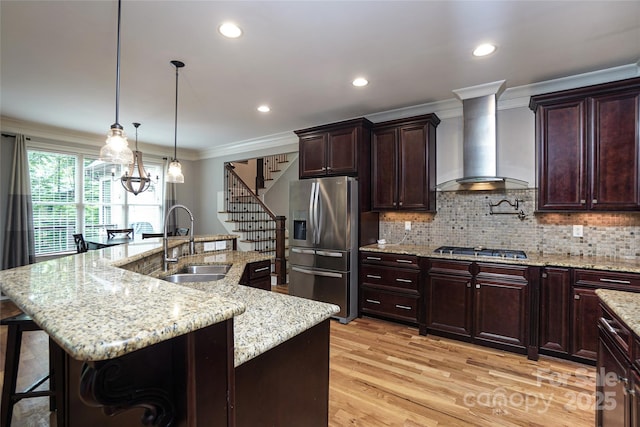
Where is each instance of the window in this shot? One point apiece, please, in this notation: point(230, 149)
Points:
point(76, 193)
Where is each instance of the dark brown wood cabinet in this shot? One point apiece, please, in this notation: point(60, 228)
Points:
point(484, 303)
point(390, 286)
point(585, 310)
point(257, 275)
point(449, 296)
point(555, 287)
point(403, 164)
point(336, 149)
point(588, 148)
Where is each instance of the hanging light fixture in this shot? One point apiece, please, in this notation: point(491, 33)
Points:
point(117, 148)
point(132, 183)
point(174, 174)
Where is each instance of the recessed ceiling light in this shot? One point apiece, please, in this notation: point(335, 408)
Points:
point(360, 81)
point(484, 49)
point(264, 109)
point(229, 29)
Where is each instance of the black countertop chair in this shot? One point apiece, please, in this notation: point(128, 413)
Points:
point(81, 245)
point(128, 232)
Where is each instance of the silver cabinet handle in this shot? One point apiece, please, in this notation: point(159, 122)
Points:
point(405, 261)
point(373, 276)
point(261, 269)
point(303, 251)
point(622, 282)
point(372, 301)
point(404, 307)
point(583, 201)
point(468, 284)
point(594, 201)
point(373, 258)
point(404, 280)
point(477, 286)
point(576, 297)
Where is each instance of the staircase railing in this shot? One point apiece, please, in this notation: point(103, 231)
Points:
point(258, 223)
point(266, 166)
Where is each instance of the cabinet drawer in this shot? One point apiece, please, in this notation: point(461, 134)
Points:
point(607, 278)
point(403, 307)
point(502, 271)
point(393, 260)
point(617, 331)
point(450, 267)
point(398, 278)
point(259, 269)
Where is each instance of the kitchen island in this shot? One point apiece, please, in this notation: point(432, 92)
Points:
point(179, 353)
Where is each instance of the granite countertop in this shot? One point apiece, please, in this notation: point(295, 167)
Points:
point(626, 305)
point(96, 311)
point(594, 263)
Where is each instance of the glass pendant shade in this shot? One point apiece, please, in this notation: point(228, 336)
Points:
point(116, 150)
point(174, 174)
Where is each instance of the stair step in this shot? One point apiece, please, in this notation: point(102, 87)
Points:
point(255, 230)
point(257, 240)
point(249, 220)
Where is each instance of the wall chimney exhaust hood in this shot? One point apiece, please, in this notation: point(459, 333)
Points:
point(479, 142)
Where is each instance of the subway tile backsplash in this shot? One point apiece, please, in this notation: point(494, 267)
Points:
point(463, 219)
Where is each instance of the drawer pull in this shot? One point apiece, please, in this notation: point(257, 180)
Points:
point(468, 284)
point(372, 301)
point(621, 282)
point(576, 297)
point(404, 280)
point(477, 286)
point(257, 270)
point(372, 276)
point(374, 258)
point(404, 307)
point(406, 261)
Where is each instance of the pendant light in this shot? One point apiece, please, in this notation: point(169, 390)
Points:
point(117, 148)
point(132, 183)
point(174, 174)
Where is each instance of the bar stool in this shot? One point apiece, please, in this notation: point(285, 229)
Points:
point(16, 326)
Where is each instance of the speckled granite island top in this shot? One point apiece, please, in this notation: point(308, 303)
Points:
point(594, 263)
point(96, 311)
point(626, 305)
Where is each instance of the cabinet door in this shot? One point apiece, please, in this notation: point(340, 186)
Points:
point(342, 152)
point(449, 300)
point(584, 322)
point(635, 399)
point(616, 152)
point(383, 170)
point(554, 309)
point(562, 156)
point(413, 184)
point(312, 156)
point(501, 313)
point(613, 405)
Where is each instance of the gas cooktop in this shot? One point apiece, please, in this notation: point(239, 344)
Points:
point(481, 251)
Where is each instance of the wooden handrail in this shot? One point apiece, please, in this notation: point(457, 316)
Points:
point(279, 221)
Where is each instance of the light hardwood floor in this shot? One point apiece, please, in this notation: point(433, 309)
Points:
point(383, 374)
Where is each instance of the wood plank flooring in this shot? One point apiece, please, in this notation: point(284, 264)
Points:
point(383, 374)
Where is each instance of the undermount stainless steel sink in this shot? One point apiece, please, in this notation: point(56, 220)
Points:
point(211, 268)
point(193, 277)
point(199, 273)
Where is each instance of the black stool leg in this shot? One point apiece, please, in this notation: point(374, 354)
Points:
point(14, 339)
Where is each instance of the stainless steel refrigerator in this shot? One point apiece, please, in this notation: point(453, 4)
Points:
point(323, 242)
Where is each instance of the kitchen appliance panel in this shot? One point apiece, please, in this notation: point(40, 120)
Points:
point(301, 209)
point(334, 213)
point(322, 285)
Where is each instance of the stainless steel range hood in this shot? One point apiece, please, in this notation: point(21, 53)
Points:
point(480, 168)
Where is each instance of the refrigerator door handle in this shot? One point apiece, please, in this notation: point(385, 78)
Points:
point(330, 254)
point(317, 272)
point(303, 251)
point(312, 213)
point(318, 214)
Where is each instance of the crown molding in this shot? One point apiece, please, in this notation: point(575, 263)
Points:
point(62, 136)
point(254, 144)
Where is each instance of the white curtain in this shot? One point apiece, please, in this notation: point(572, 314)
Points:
point(19, 242)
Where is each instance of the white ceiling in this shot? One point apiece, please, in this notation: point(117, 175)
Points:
point(58, 59)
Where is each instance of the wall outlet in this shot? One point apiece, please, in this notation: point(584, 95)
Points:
point(220, 245)
point(209, 246)
point(407, 225)
point(578, 231)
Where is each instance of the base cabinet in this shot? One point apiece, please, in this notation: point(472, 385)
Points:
point(483, 303)
point(617, 400)
point(390, 286)
point(257, 275)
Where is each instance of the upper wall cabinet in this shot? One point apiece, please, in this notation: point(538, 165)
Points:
point(403, 166)
point(337, 149)
point(588, 148)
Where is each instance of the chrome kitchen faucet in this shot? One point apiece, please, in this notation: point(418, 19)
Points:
point(165, 239)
